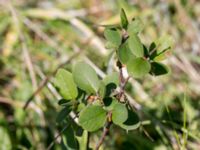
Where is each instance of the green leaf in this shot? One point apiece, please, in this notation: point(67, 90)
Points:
point(113, 37)
point(138, 67)
point(163, 47)
point(119, 113)
point(86, 78)
point(5, 141)
point(92, 118)
point(165, 42)
point(64, 102)
point(108, 84)
point(158, 69)
point(109, 103)
point(65, 83)
point(63, 114)
point(112, 78)
point(124, 20)
point(135, 45)
point(69, 139)
point(161, 56)
point(132, 121)
point(135, 26)
point(83, 140)
point(109, 45)
point(124, 53)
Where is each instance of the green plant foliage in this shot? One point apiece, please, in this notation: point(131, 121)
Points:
point(158, 69)
point(124, 20)
point(135, 45)
point(62, 115)
point(163, 47)
point(64, 102)
point(109, 103)
point(69, 139)
point(124, 53)
point(138, 67)
point(119, 113)
point(164, 43)
point(65, 83)
point(113, 37)
point(83, 140)
point(108, 84)
point(135, 26)
point(86, 78)
point(92, 118)
point(112, 78)
point(5, 143)
point(132, 122)
point(99, 96)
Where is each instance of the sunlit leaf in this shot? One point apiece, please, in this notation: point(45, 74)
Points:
point(132, 121)
point(65, 83)
point(138, 67)
point(124, 53)
point(92, 118)
point(119, 113)
point(135, 45)
point(135, 26)
point(113, 37)
point(86, 78)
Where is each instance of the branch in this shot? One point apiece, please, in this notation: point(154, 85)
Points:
point(105, 132)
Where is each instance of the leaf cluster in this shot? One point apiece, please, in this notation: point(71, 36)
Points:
point(131, 52)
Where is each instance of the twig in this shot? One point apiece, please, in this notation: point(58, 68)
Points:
point(27, 58)
point(57, 136)
point(105, 132)
point(25, 52)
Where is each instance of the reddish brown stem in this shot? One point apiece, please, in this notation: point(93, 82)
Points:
point(105, 131)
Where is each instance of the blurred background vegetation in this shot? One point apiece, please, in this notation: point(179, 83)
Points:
point(38, 36)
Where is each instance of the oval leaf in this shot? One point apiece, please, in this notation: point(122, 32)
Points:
point(112, 78)
point(86, 78)
point(65, 84)
point(113, 37)
point(135, 45)
point(119, 113)
point(138, 67)
point(92, 118)
point(135, 26)
point(124, 53)
point(132, 121)
point(158, 69)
